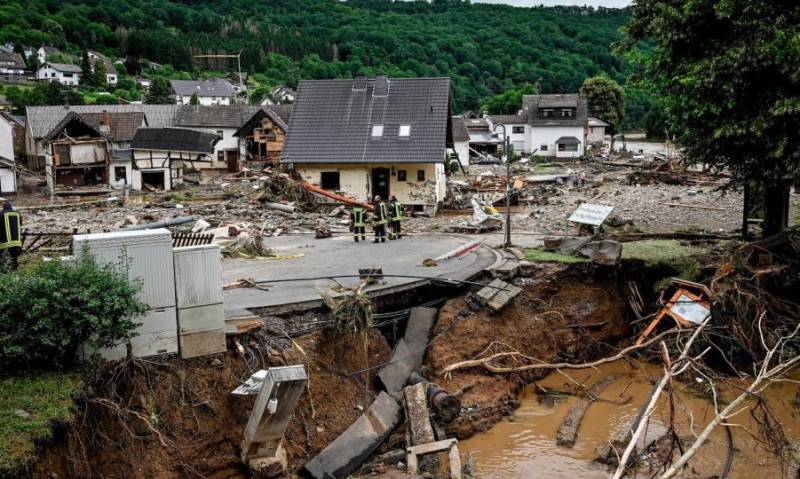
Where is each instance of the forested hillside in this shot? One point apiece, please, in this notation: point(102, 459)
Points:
point(485, 49)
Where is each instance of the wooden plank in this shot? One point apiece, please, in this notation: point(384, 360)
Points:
point(568, 431)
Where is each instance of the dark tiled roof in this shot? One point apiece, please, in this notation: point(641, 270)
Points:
point(255, 120)
point(64, 67)
point(477, 124)
point(70, 118)
point(597, 122)
point(508, 119)
point(531, 104)
point(15, 58)
point(42, 119)
point(123, 125)
point(107, 61)
point(333, 119)
point(174, 139)
point(214, 87)
point(460, 132)
point(228, 116)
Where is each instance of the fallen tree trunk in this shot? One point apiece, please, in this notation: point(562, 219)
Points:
point(334, 196)
point(568, 431)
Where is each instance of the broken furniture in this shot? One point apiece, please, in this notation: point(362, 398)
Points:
point(262, 447)
point(689, 307)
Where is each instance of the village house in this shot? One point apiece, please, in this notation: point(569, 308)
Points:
point(8, 176)
point(556, 123)
point(516, 129)
point(111, 72)
point(460, 140)
point(77, 156)
point(63, 73)
point(279, 95)
point(12, 66)
point(484, 144)
point(596, 131)
point(209, 92)
point(43, 52)
point(264, 134)
point(159, 155)
point(40, 120)
point(366, 137)
point(12, 135)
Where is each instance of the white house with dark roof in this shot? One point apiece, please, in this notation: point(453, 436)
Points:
point(11, 65)
point(63, 73)
point(557, 124)
point(366, 137)
point(44, 51)
point(111, 71)
point(209, 92)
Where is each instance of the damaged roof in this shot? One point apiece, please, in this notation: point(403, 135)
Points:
point(333, 121)
point(72, 117)
point(174, 139)
point(533, 106)
point(123, 125)
point(255, 120)
point(42, 119)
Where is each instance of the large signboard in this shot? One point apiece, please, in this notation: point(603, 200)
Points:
point(591, 214)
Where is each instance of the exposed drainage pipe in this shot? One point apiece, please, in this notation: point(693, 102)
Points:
point(178, 220)
point(432, 278)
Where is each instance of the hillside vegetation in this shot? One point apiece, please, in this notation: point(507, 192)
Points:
point(485, 49)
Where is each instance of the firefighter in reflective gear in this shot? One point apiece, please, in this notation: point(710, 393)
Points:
point(358, 225)
point(395, 217)
point(379, 219)
point(10, 237)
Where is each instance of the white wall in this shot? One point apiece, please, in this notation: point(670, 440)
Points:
point(203, 100)
point(6, 138)
point(547, 135)
point(461, 149)
point(596, 134)
point(518, 140)
point(228, 142)
point(50, 74)
point(112, 176)
point(8, 182)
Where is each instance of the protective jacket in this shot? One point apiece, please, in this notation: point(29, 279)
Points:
point(379, 215)
point(357, 216)
point(10, 235)
point(396, 210)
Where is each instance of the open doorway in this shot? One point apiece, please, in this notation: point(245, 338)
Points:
point(380, 183)
point(153, 180)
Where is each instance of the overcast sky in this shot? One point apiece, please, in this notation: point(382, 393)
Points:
point(530, 3)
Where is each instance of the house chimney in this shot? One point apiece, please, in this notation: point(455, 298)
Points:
point(381, 86)
point(360, 83)
point(105, 123)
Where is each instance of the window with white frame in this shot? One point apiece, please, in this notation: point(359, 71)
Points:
point(405, 131)
point(518, 130)
point(543, 147)
point(377, 131)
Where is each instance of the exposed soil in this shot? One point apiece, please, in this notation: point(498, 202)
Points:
point(569, 316)
point(201, 423)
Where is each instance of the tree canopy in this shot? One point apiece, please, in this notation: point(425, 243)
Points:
point(485, 49)
point(727, 74)
point(606, 100)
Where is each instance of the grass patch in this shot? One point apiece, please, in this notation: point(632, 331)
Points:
point(541, 256)
point(666, 253)
point(46, 398)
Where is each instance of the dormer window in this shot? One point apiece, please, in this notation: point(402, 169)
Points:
point(405, 131)
point(547, 113)
point(566, 113)
point(377, 131)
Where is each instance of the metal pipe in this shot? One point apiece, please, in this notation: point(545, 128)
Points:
point(432, 278)
point(508, 182)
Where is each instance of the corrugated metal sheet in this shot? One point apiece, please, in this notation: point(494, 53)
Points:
point(198, 276)
point(146, 256)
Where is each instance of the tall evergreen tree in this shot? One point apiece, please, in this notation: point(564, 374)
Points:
point(160, 92)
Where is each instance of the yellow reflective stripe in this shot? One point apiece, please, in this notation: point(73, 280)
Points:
point(10, 241)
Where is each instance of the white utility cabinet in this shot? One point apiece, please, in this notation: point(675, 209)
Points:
point(198, 293)
point(145, 256)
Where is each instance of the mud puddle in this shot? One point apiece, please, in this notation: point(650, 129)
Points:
point(525, 445)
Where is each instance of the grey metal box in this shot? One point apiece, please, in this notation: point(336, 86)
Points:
point(198, 275)
point(201, 318)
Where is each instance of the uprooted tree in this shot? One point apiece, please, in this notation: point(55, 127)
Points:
point(727, 72)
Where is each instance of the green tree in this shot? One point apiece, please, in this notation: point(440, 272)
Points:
point(508, 102)
point(49, 309)
point(606, 101)
point(99, 78)
point(87, 76)
point(160, 92)
point(727, 72)
point(194, 100)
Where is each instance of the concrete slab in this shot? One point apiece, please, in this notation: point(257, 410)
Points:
point(341, 255)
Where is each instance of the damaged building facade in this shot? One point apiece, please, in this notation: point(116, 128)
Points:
point(367, 137)
point(159, 155)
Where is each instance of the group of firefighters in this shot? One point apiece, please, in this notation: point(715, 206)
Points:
point(383, 214)
point(10, 236)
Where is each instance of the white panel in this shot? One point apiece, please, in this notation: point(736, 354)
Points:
point(152, 344)
point(201, 318)
point(161, 319)
point(198, 275)
point(146, 255)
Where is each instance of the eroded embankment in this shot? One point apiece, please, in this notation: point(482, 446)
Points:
point(196, 423)
point(571, 315)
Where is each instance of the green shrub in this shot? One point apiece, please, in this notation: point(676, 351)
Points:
point(48, 309)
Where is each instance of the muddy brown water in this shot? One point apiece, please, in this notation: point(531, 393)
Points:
point(525, 447)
